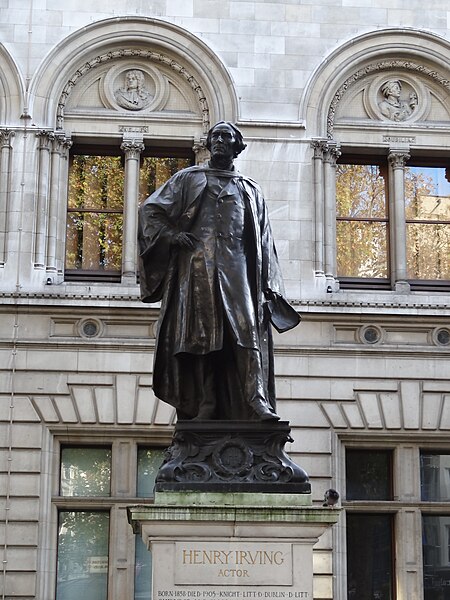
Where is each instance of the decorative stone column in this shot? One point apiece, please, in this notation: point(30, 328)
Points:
point(331, 155)
point(65, 145)
point(5, 171)
point(46, 139)
point(132, 147)
point(57, 206)
point(397, 160)
point(200, 151)
point(319, 147)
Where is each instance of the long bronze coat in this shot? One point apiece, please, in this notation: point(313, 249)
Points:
point(167, 275)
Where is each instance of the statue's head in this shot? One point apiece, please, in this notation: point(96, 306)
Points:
point(134, 79)
point(392, 87)
point(232, 135)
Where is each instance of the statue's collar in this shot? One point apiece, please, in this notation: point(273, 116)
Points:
point(206, 168)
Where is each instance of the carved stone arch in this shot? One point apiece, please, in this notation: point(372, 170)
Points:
point(142, 54)
point(418, 53)
point(128, 38)
point(11, 90)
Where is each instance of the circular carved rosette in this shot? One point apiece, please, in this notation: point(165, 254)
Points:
point(232, 458)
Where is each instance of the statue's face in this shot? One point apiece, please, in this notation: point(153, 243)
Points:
point(132, 80)
point(394, 89)
point(222, 141)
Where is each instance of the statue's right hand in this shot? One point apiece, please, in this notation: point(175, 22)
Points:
point(185, 240)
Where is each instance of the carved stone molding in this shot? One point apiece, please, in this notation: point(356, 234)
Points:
point(382, 66)
point(231, 456)
point(137, 53)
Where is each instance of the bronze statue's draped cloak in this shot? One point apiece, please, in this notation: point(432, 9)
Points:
point(192, 309)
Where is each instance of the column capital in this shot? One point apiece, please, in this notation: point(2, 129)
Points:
point(319, 146)
point(132, 148)
point(332, 153)
point(398, 158)
point(200, 150)
point(5, 137)
point(45, 138)
point(62, 144)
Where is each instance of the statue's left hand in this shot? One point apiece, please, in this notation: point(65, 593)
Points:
point(185, 240)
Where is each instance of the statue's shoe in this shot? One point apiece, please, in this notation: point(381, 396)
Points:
point(263, 411)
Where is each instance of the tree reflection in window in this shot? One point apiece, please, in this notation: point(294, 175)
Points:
point(427, 206)
point(362, 221)
point(95, 213)
point(85, 471)
point(155, 171)
point(83, 539)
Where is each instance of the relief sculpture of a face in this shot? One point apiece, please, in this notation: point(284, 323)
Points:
point(395, 107)
point(133, 95)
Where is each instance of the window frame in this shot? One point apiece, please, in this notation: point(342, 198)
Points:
point(151, 148)
point(406, 506)
point(379, 156)
point(124, 451)
point(369, 282)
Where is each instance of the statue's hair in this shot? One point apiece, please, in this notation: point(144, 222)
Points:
point(239, 141)
point(387, 85)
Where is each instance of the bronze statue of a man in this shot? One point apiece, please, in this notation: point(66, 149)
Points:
point(207, 252)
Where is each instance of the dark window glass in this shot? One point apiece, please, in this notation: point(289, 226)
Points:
point(370, 570)
point(362, 221)
point(368, 474)
point(149, 460)
point(85, 471)
point(83, 555)
point(436, 557)
point(427, 205)
point(435, 476)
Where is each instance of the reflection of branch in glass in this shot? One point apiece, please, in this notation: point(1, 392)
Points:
point(134, 95)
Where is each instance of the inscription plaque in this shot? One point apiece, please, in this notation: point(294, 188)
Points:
point(222, 570)
point(233, 563)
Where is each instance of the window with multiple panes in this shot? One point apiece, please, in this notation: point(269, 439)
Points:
point(377, 530)
point(88, 506)
point(427, 214)
point(435, 490)
point(362, 229)
point(97, 204)
point(370, 530)
point(376, 227)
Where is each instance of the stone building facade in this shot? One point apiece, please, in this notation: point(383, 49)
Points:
point(334, 98)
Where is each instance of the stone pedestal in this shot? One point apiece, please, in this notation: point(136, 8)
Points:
point(229, 457)
point(214, 546)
